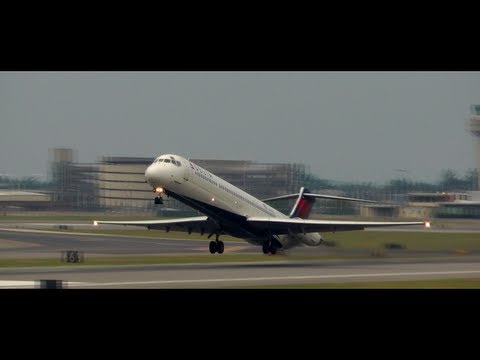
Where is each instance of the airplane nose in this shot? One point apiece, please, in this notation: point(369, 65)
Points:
point(149, 174)
point(160, 175)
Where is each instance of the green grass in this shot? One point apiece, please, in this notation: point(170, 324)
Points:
point(142, 260)
point(175, 259)
point(473, 283)
point(422, 240)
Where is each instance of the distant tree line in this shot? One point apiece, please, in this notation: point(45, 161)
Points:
point(449, 181)
point(24, 183)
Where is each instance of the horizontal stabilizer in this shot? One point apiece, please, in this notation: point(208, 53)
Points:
point(331, 197)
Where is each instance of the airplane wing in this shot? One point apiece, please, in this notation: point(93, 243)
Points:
point(198, 224)
point(297, 225)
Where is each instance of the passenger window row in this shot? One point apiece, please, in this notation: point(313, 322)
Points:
point(206, 178)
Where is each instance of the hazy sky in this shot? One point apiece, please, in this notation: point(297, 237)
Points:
point(359, 126)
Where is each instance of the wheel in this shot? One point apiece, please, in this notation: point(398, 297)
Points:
point(212, 247)
point(265, 248)
point(273, 250)
point(220, 247)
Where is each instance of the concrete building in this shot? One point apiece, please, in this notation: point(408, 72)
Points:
point(424, 199)
point(74, 184)
point(121, 181)
point(422, 205)
point(262, 180)
point(474, 128)
point(464, 210)
point(380, 211)
point(426, 205)
point(23, 200)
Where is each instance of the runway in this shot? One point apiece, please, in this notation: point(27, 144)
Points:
point(238, 275)
point(23, 243)
point(27, 243)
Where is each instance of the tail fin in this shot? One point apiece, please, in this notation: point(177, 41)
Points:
point(303, 205)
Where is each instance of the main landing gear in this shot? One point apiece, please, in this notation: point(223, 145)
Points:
point(269, 247)
point(216, 246)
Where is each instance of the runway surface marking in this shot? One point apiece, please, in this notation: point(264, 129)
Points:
point(16, 284)
point(11, 284)
point(306, 277)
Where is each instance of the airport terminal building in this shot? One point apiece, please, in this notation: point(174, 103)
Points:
point(121, 181)
point(118, 183)
point(121, 184)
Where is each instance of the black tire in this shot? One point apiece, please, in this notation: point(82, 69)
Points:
point(265, 248)
point(220, 247)
point(212, 247)
point(273, 250)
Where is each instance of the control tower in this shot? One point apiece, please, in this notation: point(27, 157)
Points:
point(474, 128)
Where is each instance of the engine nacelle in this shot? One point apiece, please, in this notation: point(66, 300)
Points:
point(311, 239)
point(292, 240)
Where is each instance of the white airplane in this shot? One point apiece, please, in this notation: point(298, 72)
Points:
point(230, 210)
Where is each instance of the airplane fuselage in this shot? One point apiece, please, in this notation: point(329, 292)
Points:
point(221, 201)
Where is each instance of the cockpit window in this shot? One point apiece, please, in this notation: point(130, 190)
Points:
point(158, 160)
point(167, 160)
point(175, 162)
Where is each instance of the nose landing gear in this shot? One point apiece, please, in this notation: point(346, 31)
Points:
point(158, 190)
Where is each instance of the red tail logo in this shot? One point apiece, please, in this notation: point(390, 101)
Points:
point(302, 206)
